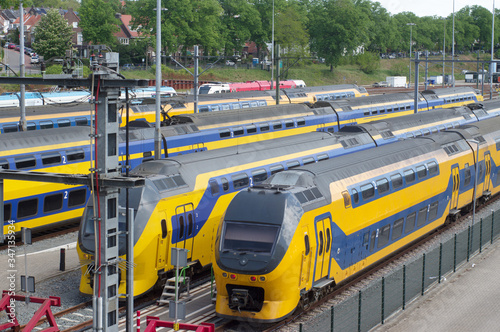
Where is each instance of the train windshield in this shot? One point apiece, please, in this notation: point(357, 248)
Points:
point(204, 90)
point(249, 237)
point(88, 228)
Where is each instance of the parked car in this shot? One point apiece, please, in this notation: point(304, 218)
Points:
point(35, 59)
point(382, 84)
point(229, 63)
point(12, 46)
point(128, 66)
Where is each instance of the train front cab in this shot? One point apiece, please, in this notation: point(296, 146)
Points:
point(253, 279)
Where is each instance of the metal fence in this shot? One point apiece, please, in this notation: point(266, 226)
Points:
point(393, 292)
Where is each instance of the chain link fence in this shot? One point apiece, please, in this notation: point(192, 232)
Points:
point(393, 292)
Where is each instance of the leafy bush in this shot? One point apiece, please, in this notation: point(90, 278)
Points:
point(368, 62)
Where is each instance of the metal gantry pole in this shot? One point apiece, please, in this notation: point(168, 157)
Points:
point(195, 78)
point(444, 48)
point(158, 81)
point(22, 121)
point(453, 48)
point(492, 70)
point(415, 98)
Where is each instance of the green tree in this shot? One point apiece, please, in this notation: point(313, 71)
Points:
point(184, 23)
point(52, 35)
point(64, 4)
point(98, 22)
point(337, 28)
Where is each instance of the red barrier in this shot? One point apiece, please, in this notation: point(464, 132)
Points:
point(154, 322)
point(138, 321)
point(44, 310)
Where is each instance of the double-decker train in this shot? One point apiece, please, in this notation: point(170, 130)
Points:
point(55, 115)
point(52, 150)
point(285, 242)
point(185, 196)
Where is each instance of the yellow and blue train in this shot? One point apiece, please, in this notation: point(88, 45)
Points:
point(46, 150)
point(185, 196)
point(283, 243)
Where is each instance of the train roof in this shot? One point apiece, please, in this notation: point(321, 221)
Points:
point(7, 112)
point(324, 88)
point(449, 91)
point(193, 164)
point(245, 95)
point(247, 115)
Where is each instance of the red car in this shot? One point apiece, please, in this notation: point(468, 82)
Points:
point(17, 47)
point(12, 46)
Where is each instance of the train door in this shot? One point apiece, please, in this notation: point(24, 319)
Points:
point(323, 239)
point(307, 253)
point(456, 185)
point(487, 163)
point(185, 228)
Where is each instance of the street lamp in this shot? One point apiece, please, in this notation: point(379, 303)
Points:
point(409, 76)
point(272, 51)
point(444, 47)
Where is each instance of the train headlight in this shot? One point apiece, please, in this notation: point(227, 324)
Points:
point(224, 274)
point(262, 278)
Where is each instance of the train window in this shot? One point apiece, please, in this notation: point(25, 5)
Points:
point(292, 164)
point(203, 109)
point(259, 175)
point(252, 129)
point(235, 106)
point(240, 180)
point(382, 110)
point(245, 105)
point(225, 184)
point(253, 104)
point(238, 131)
point(276, 168)
point(9, 128)
point(77, 197)
point(190, 224)
point(434, 130)
point(347, 199)
point(433, 211)
point(63, 123)
point(366, 239)
point(421, 171)
point(262, 103)
point(355, 195)
point(46, 124)
point(441, 128)
point(214, 187)
point(308, 160)
point(320, 250)
point(322, 157)
point(410, 222)
point(264, 127)
point(306, 244)
point(7, 211)
point(433, 168)
point(467, 174)
point(52, 203)
point(426, 132)
point(367, 191)
point(224, 133)
point(277, 125)
point(409, 176)
point(328, 239)
point(51, 158)
point(372, 240)
point(409, 135)
point(301, 122)
point(81, 121)
point(74, 155)
point(163, 228)
point(181, 227)
point(383, 236)
point(31, 126)
point(25, 162)
point(422, 216)
point(289, 124)
point(397, 230)
point(147, 154)
point(27, 208)
point(382, 185)
point(225, 107)
point(4, 164)
point(249, 237)
point(179, 181)
point(366, 113)
point(215, 108)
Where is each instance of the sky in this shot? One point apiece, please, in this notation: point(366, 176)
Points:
point(441, 8)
